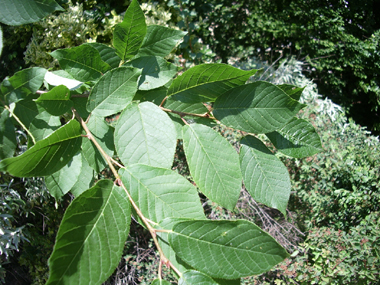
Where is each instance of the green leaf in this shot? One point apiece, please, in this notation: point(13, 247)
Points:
point(22, 84)
point(160, 282)
point(265, 176)
point(62, 181)
point(43, 125)
point(107, 54)
point(114, 91)
point(226, 249)
point(161, 193)
point(213, 164)
point(27, 110)
point(83, 63)
point(129, 34)
point(56, 101)
point(293, 91)
point(103, 133)
point(205, 82)
point(91, 237)
point(193, 108)
point(156, 71)
point(8, 141)
point(46, 156)
point(20, 12)
point(160, 41)
point(85, 180)
point(155, 95)
point(194, 277)
point(297, 138)
point(145, 134)
point(258, 107)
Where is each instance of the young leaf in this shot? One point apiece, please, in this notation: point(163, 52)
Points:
point(114, 91)
point(205, 82)
point(213, 164)
point(83, 63)
point(103, 133)
point(194, 277)
point(62, 181)
point(46, 156)
point(8, 141)
point(297, 138)
point(160, 41)
point(43, 125)
point(161, 193)
point(56, 101)
point(107, 54)
point(22, 84)
point(258, 107)
point(91, 237)
point(20, 12)
point(265, 176)
point(129, 34)
point(145, 134)
point(156, 71)
point(226, 249)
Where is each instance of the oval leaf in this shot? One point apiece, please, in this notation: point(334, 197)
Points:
point(226, 249)
point(91, 237)
point(145, 134)
point(205, 82)
point(46, 156)
point(213, 164)
point(265, 176)
point(114, 91)
point(259, 107)
point(161, 193)
point(298, 139)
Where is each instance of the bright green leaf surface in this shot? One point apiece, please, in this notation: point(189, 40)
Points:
point(160, 282)
point(85, 180)
point(83, 63)
point(22, 84)
point(145, 134)
point(107, 54)
point(103, 133)
point(259, 107)
point(213, 164)
point(226, 249)
point(156, 71)
point(56, 101)
point(8, 141)
point(298, 138)
point(293, 91)
point(91, 237)
point(43, 125)
point(46, 156)
point(192, 277)
point(20, 12)
point(205, 82)
point(265, 176)
point(62, 181)
point(129, 35)
point(161, 193)
point(114, 91)
point(160, 41)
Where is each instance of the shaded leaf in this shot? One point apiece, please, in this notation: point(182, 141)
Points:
point(85, 180)
point(155, 95)
point(22, 84)
point(20, 12)
point(8, 141)
point(160, 282)
point(129, 34)
point(26, 110)
point(194, 277)
point(297, 138)
point(43, 125)
point(145, 134)
point(156, 71)
point(83, 63)
point(91, 237)
point(258, 107)
point(114, 91)
point(46, 156)
point(226, 249)
point(107, 54)
point(161, 193)
point(265, 176)
point(56, 101)
point(293, 91)
point(213, 164)
point(160, 41)
point(205, 82)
